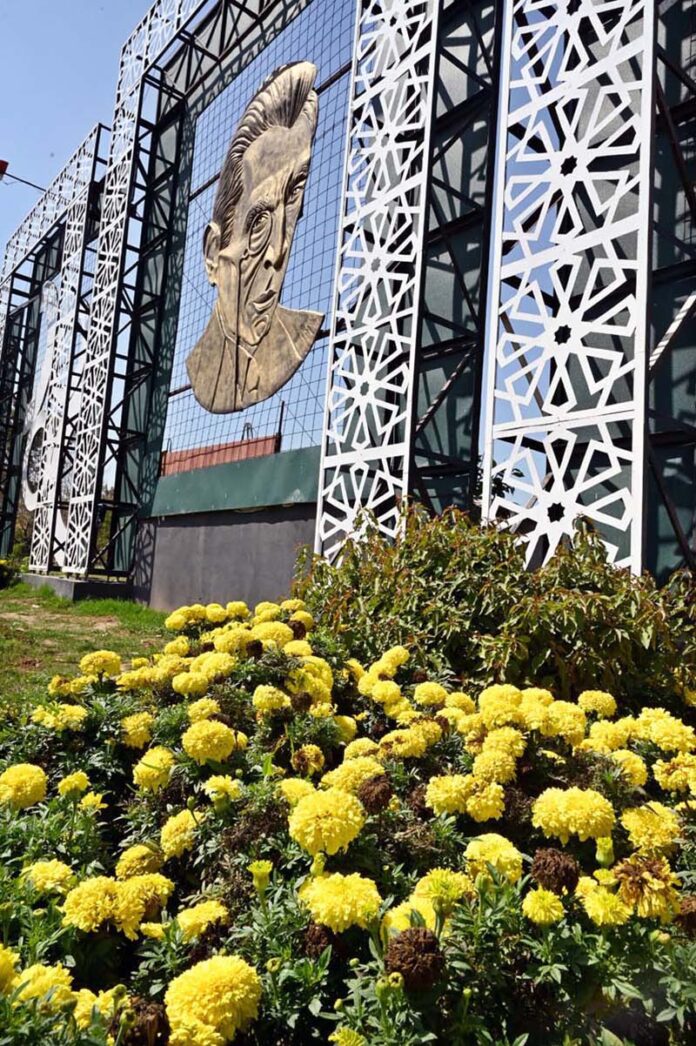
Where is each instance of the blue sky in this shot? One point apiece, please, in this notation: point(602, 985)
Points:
point(58, 69)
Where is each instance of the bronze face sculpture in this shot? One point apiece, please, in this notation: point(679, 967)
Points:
point(252, 344)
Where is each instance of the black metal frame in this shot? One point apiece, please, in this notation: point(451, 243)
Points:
point(675, 128)
point(464, 229)
point(198, 64)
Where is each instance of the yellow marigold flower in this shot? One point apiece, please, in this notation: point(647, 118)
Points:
point(538, 694)
point(295, 788)
point(142, 679)
point(352, 774)
point(210, 1002)
point(9, 961)
point(533, 712)
point(49, 876)
point(499, 705)
point(346, 729)
point(180, 646)
point(355, 668)
point(237, 609)
point(137, 729)
point(398, 918)
point(652, 827)
point(392, 660)
point(204, 708)
point(178, 834)
point(486, 802)
point(565, 720)
point(403, 744)
point(154, 769)
point(604, 853)
point(605, 908)
point(362, 747)
point(298, 648)
point(497, 851)
point(448, 794)
point(267, 606)
point(195, 920)
point(386, 693)
point(430, 694)
point(232, 640)
point(269, 699)
point(460, 700)
point(214, 665)
point(70, 717)
point(444, 889)
point(215, 613)
point(190, 684)
point(304, 617)
point(505, 739)
point(347, 1037)
point(93, 801)
point(573, 811)
point(59, 686)
point(340, 901)
point(291, 605)
point(632, 766)
point(677, 774)
point(260, 872)
point(138, 859)
point(273, 634)
point(308, 759)
point(176, 621)
point(471, 727)
point(100, 663)
point(367, 682)
point(90, 904)
point(209, 740)
point(105, 1003)
point(495, 765)
point(665, 731)
point(141, 662)
point(74, 784)
point(427, 728)
point(586, 884)
point(50, 987)
point(327, 821)
point(599, 702)
point(543, 907)
point(22, 785)
point(138, 896)
point(323, 710)
point(607, 737)
point(155, 931)
point(647, 884)
point(221, 787)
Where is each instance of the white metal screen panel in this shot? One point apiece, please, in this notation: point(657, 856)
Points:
point(374, 325)
point(566, 344)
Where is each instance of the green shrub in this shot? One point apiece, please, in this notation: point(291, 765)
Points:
point(459, 596)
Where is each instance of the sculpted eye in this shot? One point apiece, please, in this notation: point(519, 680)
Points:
point(259, 231)
point(295, 191)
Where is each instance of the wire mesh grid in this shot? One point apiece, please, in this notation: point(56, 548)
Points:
point(322, 34)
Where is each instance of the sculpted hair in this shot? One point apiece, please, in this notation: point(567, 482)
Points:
point(284, 98)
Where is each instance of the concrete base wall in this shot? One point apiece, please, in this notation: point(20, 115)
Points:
point(218, 556)
point(75, 589)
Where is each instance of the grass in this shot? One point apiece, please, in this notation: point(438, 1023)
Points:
point(42, 635)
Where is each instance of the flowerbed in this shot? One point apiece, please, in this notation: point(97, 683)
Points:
point(252, 837)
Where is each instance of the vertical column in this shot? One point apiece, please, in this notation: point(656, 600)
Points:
point(367, 432)
point(568, 288)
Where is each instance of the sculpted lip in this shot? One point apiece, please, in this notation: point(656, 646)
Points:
point(264, 300)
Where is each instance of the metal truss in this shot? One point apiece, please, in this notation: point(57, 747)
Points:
point(58, 221)
point(568, 289)
point(449, 357)
point(671, 429)
point(95, 438)
point(164, 64)
point(366, 449)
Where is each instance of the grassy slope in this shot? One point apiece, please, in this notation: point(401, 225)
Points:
point(42, 635)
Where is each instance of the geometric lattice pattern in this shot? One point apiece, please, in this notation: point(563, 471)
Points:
point(151, 37)
point(566, 339)
point(374, 324)
point(65, 201)
point(72, 318)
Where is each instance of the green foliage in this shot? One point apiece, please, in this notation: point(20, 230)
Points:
point(459, 597)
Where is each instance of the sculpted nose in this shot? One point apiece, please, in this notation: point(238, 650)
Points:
point(275, 252)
